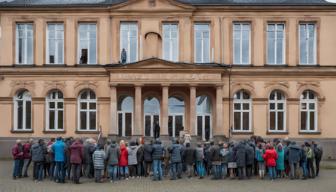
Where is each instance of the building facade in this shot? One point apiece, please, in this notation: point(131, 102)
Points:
point(213, 69)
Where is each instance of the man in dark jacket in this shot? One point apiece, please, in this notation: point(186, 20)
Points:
point(140, 158)
point(318, 152)
point(112, 157)
point(156, 130)
point(240, 151)
point(207, 158)
point(89, 148)
point(215, 159)
point(157, 155)
point(76, 159)
point(175, 151)
point(249, 160)
point(26, 156)
point(17, 153)
point(38, 152)
point(189, 155)
point(148, 148)
point(294, 156)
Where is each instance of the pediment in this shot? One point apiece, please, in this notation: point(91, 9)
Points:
point(152, 6)
point(155, 63)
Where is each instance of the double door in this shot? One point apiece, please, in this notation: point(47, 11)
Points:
point(125, 123)
point(175, 124)
point(150, 121)
point(204, 126)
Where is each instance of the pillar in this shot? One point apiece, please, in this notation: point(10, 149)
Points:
point(164, 121)
point(138, 112)
point(192, 111)
point(219, 112)
point(113, 108)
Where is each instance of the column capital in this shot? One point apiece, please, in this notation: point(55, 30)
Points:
point(139, 85)
point(113, 84)
point(219, 85)
point(193, 85)
point(165, 84)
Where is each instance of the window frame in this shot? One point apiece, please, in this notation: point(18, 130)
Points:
point(241, 111)
point(171, 40)
point(241, 23)
point(56, 43)
point(26, 97)
point(308, 110)
point(307, 23)
point(277, 101)
point(56, 110)
point(129, 23)
point(202, 42)
point(26, 38)
point(89, 45)
point(87, 111)
point(275, 43)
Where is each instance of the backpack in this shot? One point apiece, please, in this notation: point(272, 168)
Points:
point(310, 153)
point(318, 152)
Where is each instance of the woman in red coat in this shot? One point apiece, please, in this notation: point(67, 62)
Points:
point(123, 160)
point(270, 157)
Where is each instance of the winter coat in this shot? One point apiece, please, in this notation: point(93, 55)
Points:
point(199, 154)
point(249, 155)
point(148, 152)
point(280, 163)
point(189, 155)
point(98, 159)
point(294, 154)
point(76, 153)
point(240, 151)
point(270, 157)
point(231, 155)
point(59, 148)
point(132, 155)
point(38, 152)
point(89, 148)
point(207, 155)
point(303, 155)
point(259, 155)
point(17, 151)
point(123, 159)
point(224, 152)
point(175, 153)
point(113, 155)
point(140, 154)
point(318, 152)
point(215, 154)
point(158, 151)
point(26, 151)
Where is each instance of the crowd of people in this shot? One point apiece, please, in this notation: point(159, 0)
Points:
point(70, 159)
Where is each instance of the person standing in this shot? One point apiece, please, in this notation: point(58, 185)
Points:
point(132, 159)
point(140, 158)
point(89, 148)
point(310, 160)
point(123, 160)
point(294, 156)
point(303, 161)
point(189, 159)
point(26, 156)
point(38, 152)
point(259, 157)
point(112, 157)
point(50, 157)
point(199, 157)
point(17, 153)
point(157, 156)
point(224, 152)
point(98, 158)
point(175, 151)
point(76, 159)
point(148, 148)
point(240, 150)
point(270, 158)
point(215, 161)
point(156, 130)
point(280, 163)
point(318, 152)
point(59, 148)
point(249, 159)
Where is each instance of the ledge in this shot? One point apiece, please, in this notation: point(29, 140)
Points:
point(242, 133)
point(53, 132)
point(277, 133)
point(22, 131)
point(310, 133)
point(86, 132)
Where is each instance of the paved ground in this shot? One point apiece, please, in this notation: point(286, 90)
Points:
point(325, 183)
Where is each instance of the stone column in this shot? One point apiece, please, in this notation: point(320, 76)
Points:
point(164, 105)
point(192, 111)
point(113, 108)
point(137, 129)
point(219, 112)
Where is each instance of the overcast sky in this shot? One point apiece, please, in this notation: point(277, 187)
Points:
point(327, 0)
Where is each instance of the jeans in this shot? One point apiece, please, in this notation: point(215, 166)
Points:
point(123, 171)
point(59, 172)
point(317, 164)
point(113, 171)
point(293, 168)
point(249, 170)
point(190, 170)
point(304, 169)
point(140, 169)
point(38, 170)
point(51, 170)
point(21, 162)
point(147, 167)
point(272, 172)
point(216, 171)
point(310, 167)
point(157, 169)
point(26, 163)
point(16, 169)
point(224, 167)
point(176, 170)
point(241, 172)
point(76, 172)
point(200, 168)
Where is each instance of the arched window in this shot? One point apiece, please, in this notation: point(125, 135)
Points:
point(308, 111)
point(125, 115)
point(277, 112)
point(87, 105)
point(22, 111)
point(176, 108)
point(151, 115)
point(203, 113)
point(242, 112)
point(55, 108)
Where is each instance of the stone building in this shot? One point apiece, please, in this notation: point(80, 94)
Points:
point(211, 68)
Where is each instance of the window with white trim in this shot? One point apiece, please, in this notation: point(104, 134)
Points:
point(170, 42)
point(87, 106)
point(23, 111)
point(87, 43)
point(275, 43)
point(277, 112)
point(55, 43)
point(202, 43)
point(308, 111)
point(241, 43)
point(55, 111)
point(242, 112)
point(129, 40)
point(307, 33)
point(24, 43)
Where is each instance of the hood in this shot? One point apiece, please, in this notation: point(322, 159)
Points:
point(76, 144)
point(295, 147)
point(133, 147)
point(113, 145)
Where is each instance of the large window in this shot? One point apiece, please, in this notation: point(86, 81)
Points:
point(23, 111)
point(129, 40)
point(241, 43)
point(24, 43)
point(276, 43)
point(307, 38)
point(87, 104)
point(202, 43)
point(87, 43)
point(55, 43)
point(170, 42)
point(55, 108)
point(308, 106)
point(242, 112)
point(277, 112)
point(125, 115)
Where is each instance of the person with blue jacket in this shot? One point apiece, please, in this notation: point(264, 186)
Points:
point(59, 148)
point(157, 156)
point(175, 151)
point(260, 150)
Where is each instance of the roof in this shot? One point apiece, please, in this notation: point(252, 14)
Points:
point(103, 3)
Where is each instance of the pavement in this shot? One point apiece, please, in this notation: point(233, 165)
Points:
point(326, 182)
